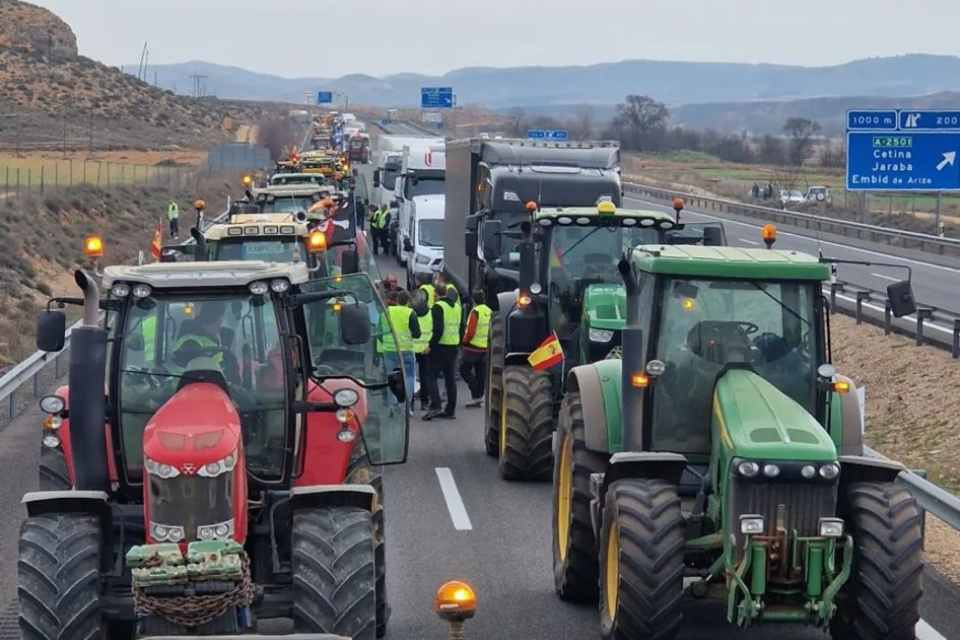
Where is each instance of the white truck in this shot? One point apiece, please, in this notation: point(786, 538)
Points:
point(389, 162)
point(422, 173)
point(423, 240)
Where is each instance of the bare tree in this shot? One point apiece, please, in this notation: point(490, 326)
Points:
point(582, 125)
point(801, 132)
point(645, 118)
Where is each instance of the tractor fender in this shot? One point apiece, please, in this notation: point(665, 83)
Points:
point(851, 443)
point(334, 495)
point(600, 395)
point(506, 302)
point(867, 469)
point(660, 465)
point(40, 503)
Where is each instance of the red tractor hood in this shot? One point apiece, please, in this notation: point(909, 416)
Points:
point(198, 425)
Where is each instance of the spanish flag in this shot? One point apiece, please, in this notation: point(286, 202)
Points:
point(156, 245)
point(548, 354)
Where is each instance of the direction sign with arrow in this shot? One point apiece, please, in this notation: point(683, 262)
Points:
point(902, 161)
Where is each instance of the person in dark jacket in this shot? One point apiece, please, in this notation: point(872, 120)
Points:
point(444, 348)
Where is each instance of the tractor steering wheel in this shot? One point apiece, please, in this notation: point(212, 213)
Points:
point(749, 328)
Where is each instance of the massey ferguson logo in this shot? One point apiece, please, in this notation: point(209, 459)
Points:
point(428, 158)
point(188, 468)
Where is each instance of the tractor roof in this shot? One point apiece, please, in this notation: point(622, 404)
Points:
point(257, 225)
point(288, 190)
point(728, 262)
point(235, 273)
point(605, 212)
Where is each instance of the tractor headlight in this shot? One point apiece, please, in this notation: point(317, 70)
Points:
point(141, 291)
point(52, 405)
point(808, 471)
point(279, 285)
point(771, 470)
point(160, 470)
point(831, 528)
point(167, 533)
point(829, 471)
point(51, 441)
point(748, 469)
point(258, 287)
point(346, 398)
point(601, 335)
point(214, 531)
point(214, 469)
point(752, 524)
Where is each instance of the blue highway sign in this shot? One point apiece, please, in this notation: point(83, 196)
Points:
point(436, 98)
point(872, 120)
point(923, 120)
point(548, 134)
point(902, 161)
point(324, 97)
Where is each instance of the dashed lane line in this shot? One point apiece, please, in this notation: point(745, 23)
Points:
point(458, 510)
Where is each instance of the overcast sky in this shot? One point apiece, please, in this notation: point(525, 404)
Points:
point(324, 38)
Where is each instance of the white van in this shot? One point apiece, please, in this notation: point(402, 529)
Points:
point(424, 237)
point(423, 171)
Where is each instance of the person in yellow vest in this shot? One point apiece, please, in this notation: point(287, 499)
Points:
point(379, 226)
point(444, 348)
point(422, 305)
point(476, 339)
point(398, 345)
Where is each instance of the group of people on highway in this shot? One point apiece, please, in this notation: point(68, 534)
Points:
point(431, 337)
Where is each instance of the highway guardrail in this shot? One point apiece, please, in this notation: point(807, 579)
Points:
point(820, 224)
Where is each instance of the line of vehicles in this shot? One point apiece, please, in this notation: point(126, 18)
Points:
point(698, 438)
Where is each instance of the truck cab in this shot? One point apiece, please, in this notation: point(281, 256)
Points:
point(422, 174)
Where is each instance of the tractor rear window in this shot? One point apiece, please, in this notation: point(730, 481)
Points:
point(707, 324)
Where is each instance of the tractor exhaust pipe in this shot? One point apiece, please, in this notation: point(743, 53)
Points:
point(88, 358)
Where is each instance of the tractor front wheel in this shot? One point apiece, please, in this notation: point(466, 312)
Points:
point(58, 577)
point(494, 399)
point(641, 561)
point(334, 572)
point(574, 543)
point(53, 470)
point(882, 597)
point(526, 424)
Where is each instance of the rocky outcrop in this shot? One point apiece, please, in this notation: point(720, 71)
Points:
point(31, 28)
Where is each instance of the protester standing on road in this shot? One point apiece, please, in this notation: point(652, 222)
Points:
point(379, 222)
point(444, 346)
point(420, 302)
point(476, 338)
point(398, 347)
point(173, 215)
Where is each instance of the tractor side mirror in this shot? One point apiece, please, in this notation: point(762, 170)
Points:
point(713, 237)
point(376, 178)
point(350, 262)
point(900, 295)
point(51, 325)
point(355, 324)
point(396, 385)
point(470, 240)
point(492, 240)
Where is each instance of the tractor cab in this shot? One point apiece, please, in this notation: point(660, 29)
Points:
point(725, 425)
point(246, 407)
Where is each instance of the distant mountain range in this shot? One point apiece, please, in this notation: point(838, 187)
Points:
point(675, 83)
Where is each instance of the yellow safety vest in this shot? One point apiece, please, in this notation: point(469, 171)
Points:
point(148, 329)
point(379, 220)
point(431, 292)
point(481, 337)
point(399, 317)
point(426, 332)
point(451, 323)
point(203, 341)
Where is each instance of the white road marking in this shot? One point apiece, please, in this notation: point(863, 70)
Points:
point(804, 237)
point(880, 275)
point(925, 632)
point(458, 511)
point(753, 242)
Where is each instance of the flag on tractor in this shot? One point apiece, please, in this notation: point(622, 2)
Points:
point(156, 245)
point(548, 354)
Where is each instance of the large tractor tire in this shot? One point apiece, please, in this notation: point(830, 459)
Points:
point(574, 544)
point(360, 471)
point(58, 578)
point(334, 572)
point(882, 597)
point(526, 425)
point(53, 470)
point(641, 561)
point(494, 388)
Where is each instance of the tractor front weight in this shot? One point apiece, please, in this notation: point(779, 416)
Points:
point(813, 576)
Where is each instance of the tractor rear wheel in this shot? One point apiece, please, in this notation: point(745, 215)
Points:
point(334, 572)
point(58, 577)
point(574, 543)
point(360, 471)
point(882, 597)
point(53, 470)
point(494, 399)
point(641, 561)
point(526, 424)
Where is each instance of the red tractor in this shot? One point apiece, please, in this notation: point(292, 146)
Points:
point(220, 440)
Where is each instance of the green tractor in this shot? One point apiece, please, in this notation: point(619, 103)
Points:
point(562, 280)
point(722, 456)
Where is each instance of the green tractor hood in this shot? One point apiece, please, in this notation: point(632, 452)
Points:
point(756, 420)
point(605, 306)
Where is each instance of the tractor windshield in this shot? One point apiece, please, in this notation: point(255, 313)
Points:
point(266, 249)
point(385, 428)
point(581, 256)
point(237, 336)
point(289, 204)
point(707, 324)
